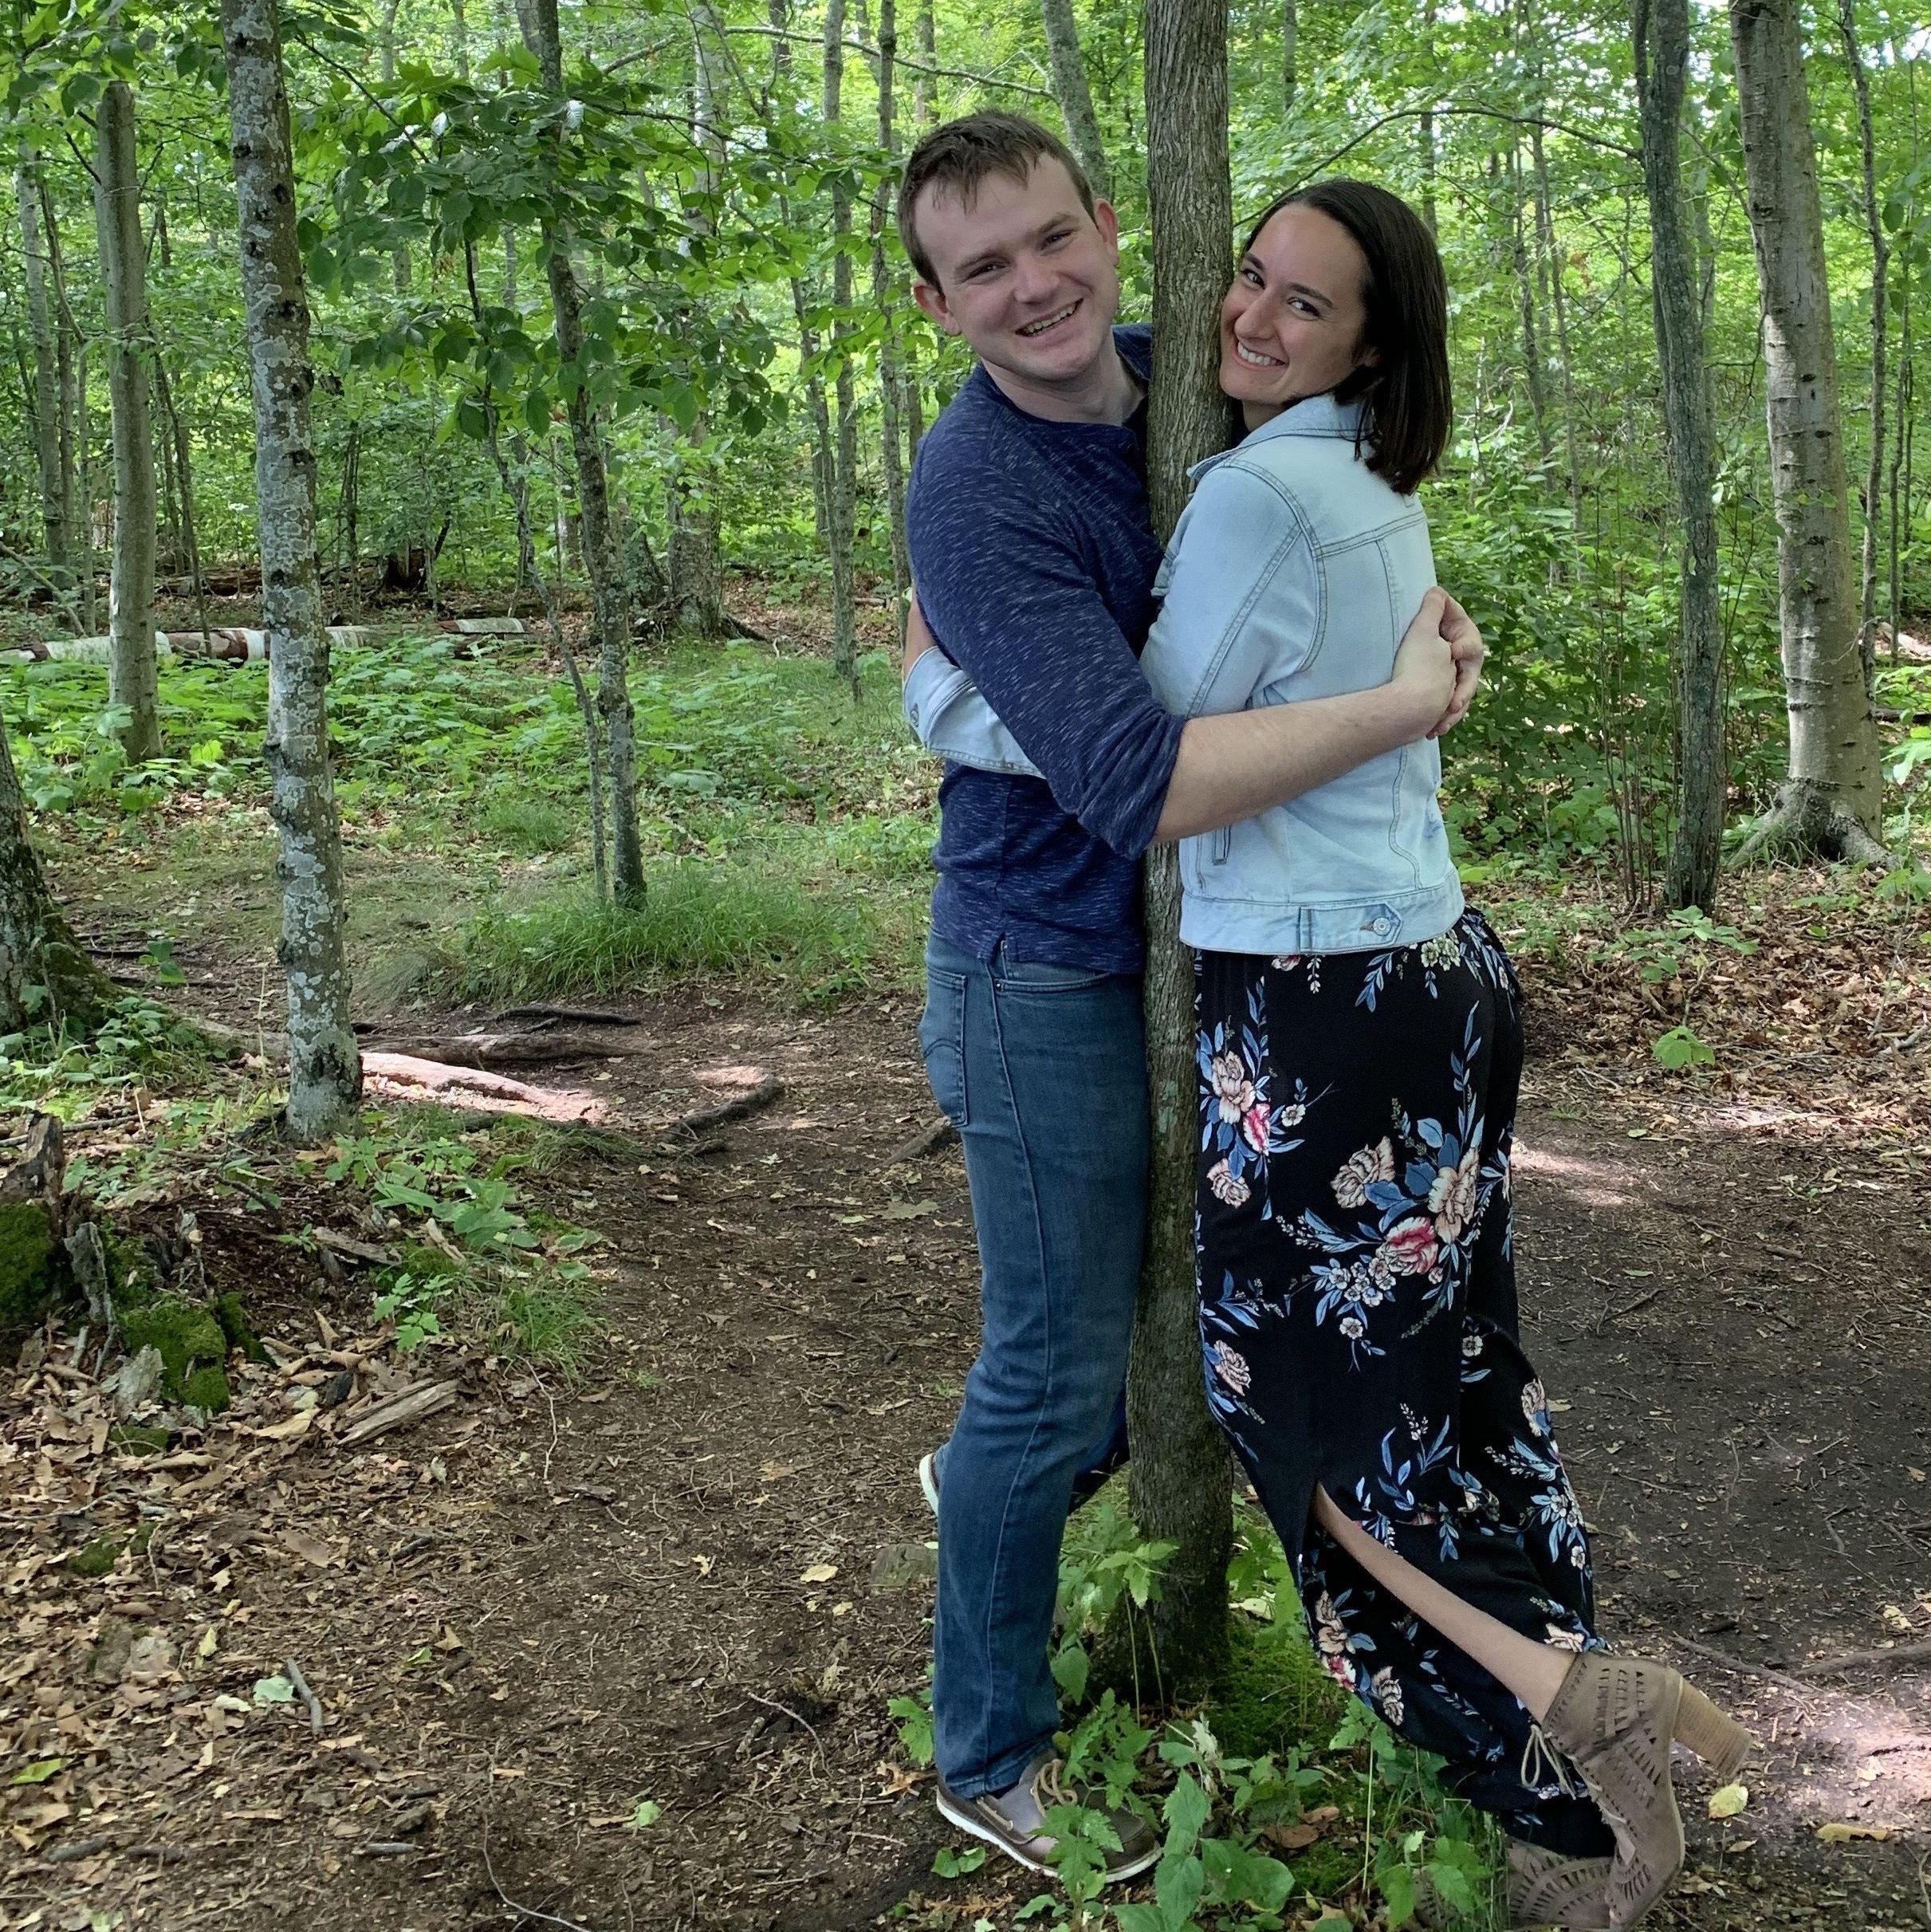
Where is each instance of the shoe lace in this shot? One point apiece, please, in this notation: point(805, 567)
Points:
point(1542, 1764)
point(1049, 1785)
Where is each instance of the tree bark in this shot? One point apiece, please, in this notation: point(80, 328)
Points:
point(1660, 29)
point(841, 479)
point(54, 504)
point(79, 539)
point(925, 44)
point(132, 673)
point(1180, 1486)
point(386, 41)
point(324, 1065)
point(610, 591)
point(184, 479)
point(46, 974)
point(693, 564)
point(1880, 273)
point(1832, 800)
point(885, 298)
point(1075, 97)
point(1426, 127)
point(1290, 49)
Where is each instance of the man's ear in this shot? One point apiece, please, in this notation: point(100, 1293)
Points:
point(1106, 219)
point(931, 298)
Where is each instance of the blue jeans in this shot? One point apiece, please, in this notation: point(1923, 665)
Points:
point(1044, 1070)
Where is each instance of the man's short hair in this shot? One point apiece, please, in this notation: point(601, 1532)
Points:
point(960, 155)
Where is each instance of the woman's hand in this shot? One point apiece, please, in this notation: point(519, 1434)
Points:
point(1425, 674)
point(918, 639)
point(1465, 645)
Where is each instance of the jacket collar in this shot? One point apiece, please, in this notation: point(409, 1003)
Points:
point(1314, 415)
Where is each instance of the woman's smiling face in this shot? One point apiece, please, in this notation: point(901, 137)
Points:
point(1295, 322)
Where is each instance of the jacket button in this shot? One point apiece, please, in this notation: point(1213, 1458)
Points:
point(1379, 928)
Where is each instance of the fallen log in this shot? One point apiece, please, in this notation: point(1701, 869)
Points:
point(398, 1411)
point(489, 1050)
point(404, 1077)
point(765, 1089)
point(243, 644)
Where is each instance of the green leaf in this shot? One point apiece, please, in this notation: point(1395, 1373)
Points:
point(1398, 1888)
point(644, 1816)
point(1071, 1666)
point(1185, 1811)
point(275, 1689)
point(1178, 1883)
point(946, 1863)
point(1680, 1048)
point(38, 1774)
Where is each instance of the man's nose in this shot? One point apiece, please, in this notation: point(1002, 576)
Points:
point(1034, 280)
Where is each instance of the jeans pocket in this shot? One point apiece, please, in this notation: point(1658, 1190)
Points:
point(942, 1040)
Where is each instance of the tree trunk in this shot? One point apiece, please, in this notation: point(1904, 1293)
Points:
point(1290, 48)
point(1075, 97)
point(925, 45)
point(695, 571)
point(841, 479)
point(85, 489)
point(386, 40)
point(54, 504)
point(324, 1065)
point(1181, 1486)
point(610, 591)
point(79, 541)
point(1831, 801)
point(459, 38)
point(131, 676)
point(46, 974)
point(184, 476)
point(1660, 29)
point(1426, 132)
point(1879, 270)
point(1533, 370)
point(885, 299)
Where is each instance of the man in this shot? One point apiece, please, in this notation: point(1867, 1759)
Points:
point(1033, 549)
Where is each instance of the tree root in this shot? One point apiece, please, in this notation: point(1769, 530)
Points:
point(1808, 822)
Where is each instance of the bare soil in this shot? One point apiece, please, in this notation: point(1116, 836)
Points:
point(694, 1576)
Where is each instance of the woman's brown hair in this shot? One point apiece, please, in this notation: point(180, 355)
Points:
point(1409, 406)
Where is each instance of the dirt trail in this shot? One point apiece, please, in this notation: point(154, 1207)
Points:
point(547, 1604)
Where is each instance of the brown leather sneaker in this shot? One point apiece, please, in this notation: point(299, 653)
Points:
point(1014, 1821)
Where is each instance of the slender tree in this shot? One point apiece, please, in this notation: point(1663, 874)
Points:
point(46, 394)
point(890, 384)
point(1075, 97)
point(1880, 316)
point(1181, 1485)
point(841, 479)
point(325, 1065)
point(610, 591)
point(132, 679)
point(1660, 30)
point(1829, 803)
point(1290, 48)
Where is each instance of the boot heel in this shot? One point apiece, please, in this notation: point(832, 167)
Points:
point(1717, 1738)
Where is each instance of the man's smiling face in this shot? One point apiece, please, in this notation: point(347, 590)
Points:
point(1025, 275)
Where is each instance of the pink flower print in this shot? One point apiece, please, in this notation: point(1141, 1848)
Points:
point(1411, 1245)
point(1361, 1173)
point(1228, 1189)
point(1232, 1088)
point(1255, 1128)
point(1451, 1195)
point(1231, 1368)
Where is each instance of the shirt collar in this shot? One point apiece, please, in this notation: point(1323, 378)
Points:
point(1314, 415)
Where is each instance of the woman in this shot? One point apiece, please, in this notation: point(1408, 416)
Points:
point(1360, 1050)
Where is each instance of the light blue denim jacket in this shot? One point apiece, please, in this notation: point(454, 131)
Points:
point(1292, 574)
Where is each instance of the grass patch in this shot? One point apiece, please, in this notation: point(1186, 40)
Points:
point(529, 826)
point(822, 935)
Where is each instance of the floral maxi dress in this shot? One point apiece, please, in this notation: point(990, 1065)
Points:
point(1358, 1317)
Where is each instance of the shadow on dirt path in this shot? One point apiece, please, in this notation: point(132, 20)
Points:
point(693, 1581)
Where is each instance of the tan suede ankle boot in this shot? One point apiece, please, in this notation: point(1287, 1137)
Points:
point(1544, 1890)
point(1615, 1718)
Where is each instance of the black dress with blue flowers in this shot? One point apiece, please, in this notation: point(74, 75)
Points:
point(1358, 1314)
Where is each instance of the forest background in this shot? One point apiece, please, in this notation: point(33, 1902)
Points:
point(608, 333)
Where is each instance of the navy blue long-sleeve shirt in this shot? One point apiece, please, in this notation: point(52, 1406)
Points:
point(1032, 547)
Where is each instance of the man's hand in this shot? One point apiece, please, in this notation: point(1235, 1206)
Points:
point(1465, 642)
point(918, 639)
point(1425, 668)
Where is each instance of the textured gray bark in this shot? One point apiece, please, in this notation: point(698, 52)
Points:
point(610, 591)
point(1290, 51)
point(1180, 1481)
point(841, 479)
point(132, 674)
point(925, 47)
point(1426, 127)
point(890, 375)
point(1075, 97)
point(38, 946)
point(184, 483)
point(1880, 276)
point(1831, 801)
point(386, 39)
point(325, 1065)
point(693, 563)
point(1660, 30)
point(1533, 372)
point(46, 393)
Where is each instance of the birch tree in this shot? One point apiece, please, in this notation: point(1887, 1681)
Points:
point(1075, 97)
point(325, 1065)
point(133, 685)
point(610, 592)
point(1831, 801)
point(1180, 1479)
point(841, 479)
point(1660, 30)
